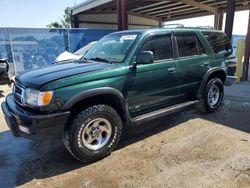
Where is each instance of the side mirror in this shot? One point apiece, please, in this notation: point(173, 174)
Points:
point(145, 57)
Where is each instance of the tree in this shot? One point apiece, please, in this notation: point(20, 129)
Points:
point(64, 23)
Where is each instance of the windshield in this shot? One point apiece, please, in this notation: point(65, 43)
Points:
point(111, 48)
point(82, 51)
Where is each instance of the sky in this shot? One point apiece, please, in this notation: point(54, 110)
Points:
point(39, 13)
point(32, 13)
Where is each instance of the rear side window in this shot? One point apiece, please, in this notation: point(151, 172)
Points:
point(160, 46)
point(219, 41)
point(189, 45)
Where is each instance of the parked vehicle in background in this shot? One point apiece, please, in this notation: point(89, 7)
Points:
point(127, 78)
point(76, 55)
point(4, 68)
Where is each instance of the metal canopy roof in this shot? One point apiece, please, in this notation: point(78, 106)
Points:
point(160, 9)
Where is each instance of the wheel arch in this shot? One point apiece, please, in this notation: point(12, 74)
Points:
point(106, 95)
point(217, 72)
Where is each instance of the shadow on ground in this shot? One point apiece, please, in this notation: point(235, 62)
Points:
point(4, 82)
point(32, 161)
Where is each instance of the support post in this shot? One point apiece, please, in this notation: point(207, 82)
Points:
point(230, 10)
point(218, 19)
point(76, 22)
point(247, 53)
point(122, 15)
point(161, 23)
point(72, 20)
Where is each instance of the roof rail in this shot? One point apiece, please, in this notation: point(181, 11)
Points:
point(206, 27)
point(172, 25)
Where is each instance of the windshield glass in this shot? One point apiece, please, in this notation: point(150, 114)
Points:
point(82, 51)
point(112, 48)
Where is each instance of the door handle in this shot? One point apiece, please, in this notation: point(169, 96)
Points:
point(172, 70)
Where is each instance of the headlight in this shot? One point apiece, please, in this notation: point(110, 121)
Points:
point(37, 98)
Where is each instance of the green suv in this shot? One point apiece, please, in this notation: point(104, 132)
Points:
point(127, 78)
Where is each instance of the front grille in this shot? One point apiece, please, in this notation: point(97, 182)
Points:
point(19, 94)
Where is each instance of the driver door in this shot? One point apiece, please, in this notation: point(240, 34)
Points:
point(154, 85)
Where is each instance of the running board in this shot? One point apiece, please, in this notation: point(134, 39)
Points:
point(162, 112)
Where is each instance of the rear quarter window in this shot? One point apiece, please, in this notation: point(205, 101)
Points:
point(218, 41)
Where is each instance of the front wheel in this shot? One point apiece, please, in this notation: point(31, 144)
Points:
point(93, 133)
point(213, 96)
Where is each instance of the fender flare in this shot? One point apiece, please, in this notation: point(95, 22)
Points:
point(205, 78)
point(97, 92)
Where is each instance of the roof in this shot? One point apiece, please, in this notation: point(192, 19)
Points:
point(164, 10)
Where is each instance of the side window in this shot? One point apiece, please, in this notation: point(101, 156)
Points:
point(219, 41)
point(160, 46)
point(189, 45)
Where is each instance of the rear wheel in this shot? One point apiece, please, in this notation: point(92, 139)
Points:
point(213, 96)
point(93, 133)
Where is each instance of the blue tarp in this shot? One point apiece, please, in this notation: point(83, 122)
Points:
point(28, 49)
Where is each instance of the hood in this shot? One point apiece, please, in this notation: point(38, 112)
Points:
point(36, 78)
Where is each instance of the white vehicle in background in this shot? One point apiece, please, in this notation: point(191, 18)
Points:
point(65, 56)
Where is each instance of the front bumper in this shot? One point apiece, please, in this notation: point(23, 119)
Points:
point(30, 125)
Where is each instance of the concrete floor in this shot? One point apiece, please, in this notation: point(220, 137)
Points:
point(187, 149)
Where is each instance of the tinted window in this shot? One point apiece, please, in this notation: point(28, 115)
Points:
point(188, 45)
point(218, 41)
point(160, 46)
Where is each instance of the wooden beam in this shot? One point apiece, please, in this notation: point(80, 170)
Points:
point(166, 7)
point(143, 15)
point(183, 12)
point(186, 16)
point(172, 17)
point(179, 11)
point(149, 6)
point(169, 10)
point(218, 19)
point(198, 5)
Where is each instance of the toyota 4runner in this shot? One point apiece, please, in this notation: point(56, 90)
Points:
point(127, 78)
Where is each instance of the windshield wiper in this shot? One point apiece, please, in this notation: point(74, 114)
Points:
point(101, 59)
point(83, 59)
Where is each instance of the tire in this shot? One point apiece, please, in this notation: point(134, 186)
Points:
point(212, 96)
point(93, 133)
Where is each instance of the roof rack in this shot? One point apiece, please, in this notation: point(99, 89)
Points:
point(172, 25)
point(206, 27)
point(182, 26)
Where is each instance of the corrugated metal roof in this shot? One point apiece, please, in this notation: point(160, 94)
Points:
point(88, 5)
point(159, 10)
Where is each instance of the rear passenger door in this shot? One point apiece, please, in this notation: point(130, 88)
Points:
point(192, 63)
